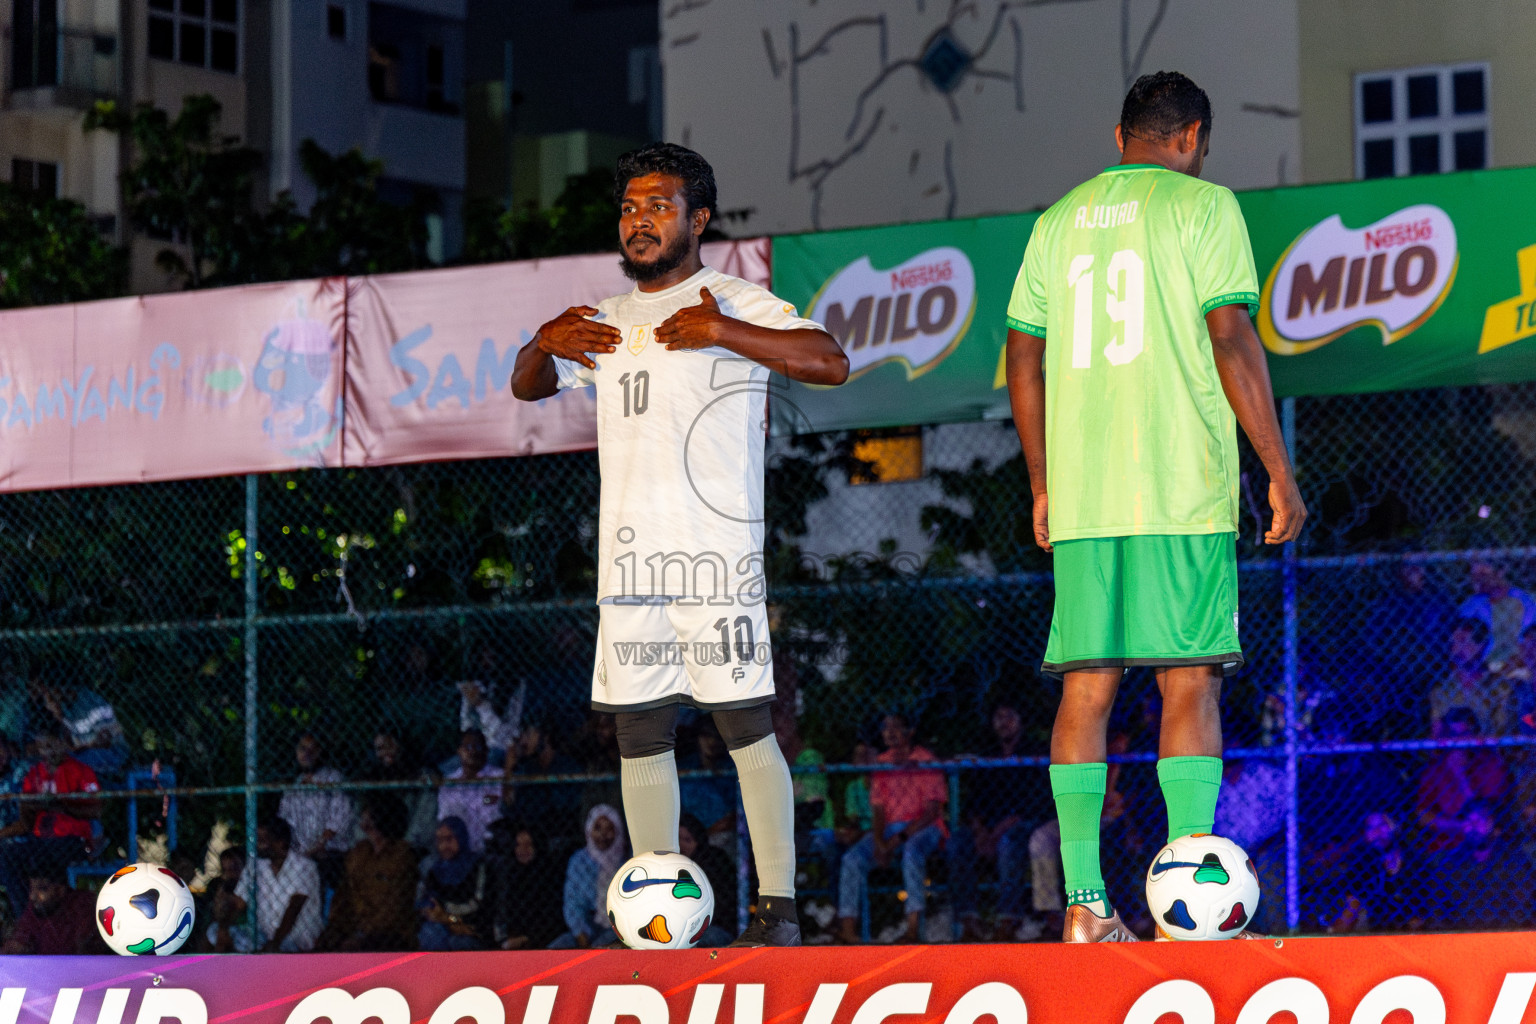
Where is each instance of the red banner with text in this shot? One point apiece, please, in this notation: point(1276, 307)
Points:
point(1487, 979)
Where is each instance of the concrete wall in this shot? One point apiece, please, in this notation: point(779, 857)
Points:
point(1340, 38)
point(817, 115)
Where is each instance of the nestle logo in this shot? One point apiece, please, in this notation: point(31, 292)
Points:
point(921, 277)
point(1399, 234)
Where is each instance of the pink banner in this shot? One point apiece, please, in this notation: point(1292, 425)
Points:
point(432, 353)
point(171, 386)
point(256, 379)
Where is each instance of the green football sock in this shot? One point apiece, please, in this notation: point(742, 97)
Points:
point(1190, 787)
point(1079, 793)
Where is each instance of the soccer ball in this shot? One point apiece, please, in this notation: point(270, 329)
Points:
point(660, 901)
point(1202, 887)
point(144, 909)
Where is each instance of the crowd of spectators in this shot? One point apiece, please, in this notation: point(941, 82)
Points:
point(461, 849)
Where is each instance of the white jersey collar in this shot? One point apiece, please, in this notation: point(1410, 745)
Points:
point(691, 285)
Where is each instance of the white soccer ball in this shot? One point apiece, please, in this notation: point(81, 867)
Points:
point(660, 901)
point(144, 909)
point(1202, 887)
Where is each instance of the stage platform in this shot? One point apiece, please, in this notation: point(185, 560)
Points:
point(1428, 979)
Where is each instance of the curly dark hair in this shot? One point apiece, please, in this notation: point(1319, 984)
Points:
point(669, 158)
point(1163, 104)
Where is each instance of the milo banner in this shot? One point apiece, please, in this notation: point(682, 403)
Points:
point(1400, 283)
point(920, 311)
point(1430, 979)
point(1366, 286)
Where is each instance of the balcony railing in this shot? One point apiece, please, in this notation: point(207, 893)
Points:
point(70, 67)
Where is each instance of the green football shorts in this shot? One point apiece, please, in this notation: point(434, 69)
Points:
point(1160, 600)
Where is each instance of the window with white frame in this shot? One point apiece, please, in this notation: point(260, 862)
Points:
point(203, 33)
point(1425, 120)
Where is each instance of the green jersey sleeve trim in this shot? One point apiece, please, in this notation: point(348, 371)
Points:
point(1250, 299)
point(1020, 325)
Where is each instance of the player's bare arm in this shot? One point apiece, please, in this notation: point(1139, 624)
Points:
point(1025, 371)
point(570, 336)
point(804, 354)
point(1245, 379)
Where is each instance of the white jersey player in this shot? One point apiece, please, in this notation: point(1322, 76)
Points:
point(681, 368)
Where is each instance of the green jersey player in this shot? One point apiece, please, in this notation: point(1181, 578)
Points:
point(1131, 357)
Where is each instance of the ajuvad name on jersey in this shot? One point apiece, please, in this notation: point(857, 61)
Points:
point(915, 313)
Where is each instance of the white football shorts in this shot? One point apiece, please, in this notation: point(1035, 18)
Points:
point(714, 657)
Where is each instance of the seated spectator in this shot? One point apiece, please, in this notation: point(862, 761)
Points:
point(90, 723)
point(598, 750)
point(1473, 685)
point(1483, 882)
point(550, 811)
point(286, 887)
point(230, 930)
point(1250, 811)
point(1384, 891)
point(856, 809)
point(477, 710)
point(15, 704)
point(908, 810)
point(722, 875)
point(813, 809)
point(476, 805)
point(393, 763)
point(13, 772)
point(1504, 610)
point(454, 902)
point(58, 832)
point(712, 799)
point(1454, 777)
point(587, 874)
point(58, 920)
point(527, 884)
point(993, 827)
point(374, 909)
point(321, 819)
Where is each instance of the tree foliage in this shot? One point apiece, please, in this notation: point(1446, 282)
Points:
point(583, 219)
point(51, 251)
point(188, 183)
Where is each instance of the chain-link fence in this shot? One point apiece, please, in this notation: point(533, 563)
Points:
point(312, 646)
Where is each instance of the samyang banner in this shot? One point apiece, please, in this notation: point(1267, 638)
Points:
point(1430, 979)
point(243, 380)
point(1366, 286)
point(431, 352)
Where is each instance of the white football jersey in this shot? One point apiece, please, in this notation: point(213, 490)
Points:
point(680, 447)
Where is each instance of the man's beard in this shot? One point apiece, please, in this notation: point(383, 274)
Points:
point(672, 257)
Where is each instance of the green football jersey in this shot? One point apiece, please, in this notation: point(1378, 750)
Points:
point(1118, 277)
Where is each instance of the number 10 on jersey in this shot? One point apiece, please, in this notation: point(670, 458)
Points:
point(1124, 301)
point(640, 384)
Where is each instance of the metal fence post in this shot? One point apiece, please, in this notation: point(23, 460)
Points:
point(251, 679)
point(1292, 633)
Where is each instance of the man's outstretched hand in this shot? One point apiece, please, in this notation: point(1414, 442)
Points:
point(1285, 501)
point(571, 336)
point(700, 326)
